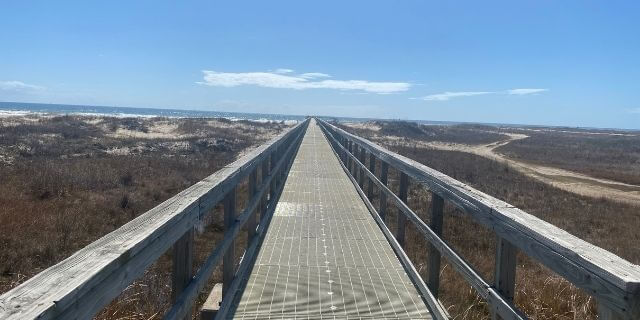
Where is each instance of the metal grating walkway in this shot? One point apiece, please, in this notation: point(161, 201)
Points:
point(323, 256)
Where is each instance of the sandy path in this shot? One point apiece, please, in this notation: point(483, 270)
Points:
point(564, 179)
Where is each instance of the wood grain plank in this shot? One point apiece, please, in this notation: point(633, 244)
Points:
point(182, 270)
point(384, 176)
point(505, 270)
point(437, 217)
point(402, 194)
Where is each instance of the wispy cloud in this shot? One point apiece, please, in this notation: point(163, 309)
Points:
point(525, 91)
point(285, 78)
point(449, 95)
point(636, 110)
point(18, 86)
point(313, 75)
point(283, 70)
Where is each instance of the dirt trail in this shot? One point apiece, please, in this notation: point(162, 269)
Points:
point(564, 179)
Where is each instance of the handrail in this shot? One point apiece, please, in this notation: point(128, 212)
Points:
point(613, 281)
point(81, 285)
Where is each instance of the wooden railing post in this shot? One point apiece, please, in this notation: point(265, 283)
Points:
point(402, 194)
point(349, 160)
point(264, 172)
point(372, 168)
point(437, 205)
point(182, 272)
point(278, 156)
point(272, 164)
point(384, 175)
point(228, 261)
point(344, 152)
point(363, 155)
point(505, 270)
point(356, 153)
point(253, 217)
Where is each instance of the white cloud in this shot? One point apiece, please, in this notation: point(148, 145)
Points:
point(283, 70)
point(313, 75)
point(448, 95)
point(18, 86)
point(636, 110)
point(298, 82)
point(525, 91)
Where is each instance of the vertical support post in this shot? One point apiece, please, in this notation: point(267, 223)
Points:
point(437, 205)
point(272, 164)
point(402, 194)
point(252, 222)
point(354, 168)
point(363, 155)
point(384, 175)
point(344, 152)
point(278, 156)
point(372, 168)
point(505, 270)
point(182, 271)
point(264, 172)
point(283, 168)
point(350, 147)
point(228, 260)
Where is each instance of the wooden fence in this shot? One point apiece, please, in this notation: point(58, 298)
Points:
point(81, 285)
point(613, 281)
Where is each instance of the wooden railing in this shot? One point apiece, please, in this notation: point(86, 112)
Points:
point(81, 285)
point(613, 281)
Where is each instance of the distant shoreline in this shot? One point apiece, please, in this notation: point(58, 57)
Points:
point(9, 109)
point(26, 108)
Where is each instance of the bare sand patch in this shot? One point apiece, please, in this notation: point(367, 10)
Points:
point(564, 179)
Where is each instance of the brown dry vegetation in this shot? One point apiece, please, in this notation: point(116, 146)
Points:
point(540, 293)
point(411, 131)
point(65, 181)
point(603, 155)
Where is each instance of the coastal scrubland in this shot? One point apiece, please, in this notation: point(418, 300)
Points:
point(602, 154)
point(65, 181)
point(540, 293)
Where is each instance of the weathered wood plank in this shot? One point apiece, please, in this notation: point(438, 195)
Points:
point(362, 156)
point(505, 270)
point(211, 305)
point(350, 151)
point(229, 259)
point(611, 279)
point(437, 216)
point(264, 173)
point(372, 168)
point(384, 176)
point(82, 284)
point(182, 270)
point(402, 194)
point(252, 222)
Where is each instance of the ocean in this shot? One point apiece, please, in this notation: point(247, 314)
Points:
point(22, 108)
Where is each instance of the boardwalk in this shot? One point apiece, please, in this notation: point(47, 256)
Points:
point(316, 251)
point(324, 256)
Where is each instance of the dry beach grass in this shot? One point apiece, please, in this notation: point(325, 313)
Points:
point(68, 180)
point(539, 293)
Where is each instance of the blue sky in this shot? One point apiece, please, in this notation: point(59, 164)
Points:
point(574, 63)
